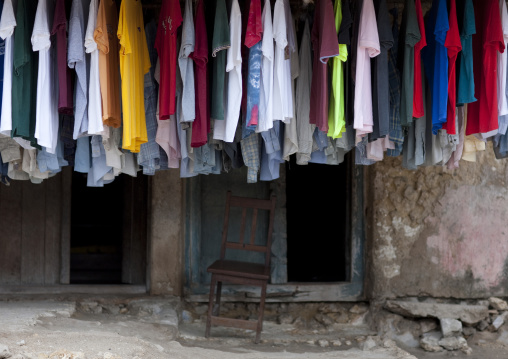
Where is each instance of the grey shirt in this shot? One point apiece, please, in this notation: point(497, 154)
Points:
point(186, 65)
point(78, 60)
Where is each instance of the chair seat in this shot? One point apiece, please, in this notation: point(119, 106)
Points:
point(240, 269)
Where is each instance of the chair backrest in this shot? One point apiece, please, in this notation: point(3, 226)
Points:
point(256, 205)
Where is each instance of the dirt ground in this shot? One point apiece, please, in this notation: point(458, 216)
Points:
point(150, 328)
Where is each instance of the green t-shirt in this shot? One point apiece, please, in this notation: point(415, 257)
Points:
point(336, 119)
point(220, 42)
point(410, 36)
point(24, 79)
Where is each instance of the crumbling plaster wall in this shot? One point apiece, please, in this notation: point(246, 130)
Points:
point(436, 232)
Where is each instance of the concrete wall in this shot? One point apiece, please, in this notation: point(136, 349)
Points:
point(439, 233)
point(166, 267)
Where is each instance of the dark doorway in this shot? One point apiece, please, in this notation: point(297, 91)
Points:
point(109, 231)
point(318, 197)
point(96, 231)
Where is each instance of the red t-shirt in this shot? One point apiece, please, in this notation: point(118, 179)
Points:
point(254, 25)
point(454, 46)
point(201, 124)
point(325, 45)
point(488, 41)
point(418, 107)
point(165, 42)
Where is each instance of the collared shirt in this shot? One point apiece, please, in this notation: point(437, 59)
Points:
point(250, 153)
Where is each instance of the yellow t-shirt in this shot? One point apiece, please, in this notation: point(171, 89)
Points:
point(336, 120)
point(134, 64)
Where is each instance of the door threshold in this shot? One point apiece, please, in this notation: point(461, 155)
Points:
point(74, 289)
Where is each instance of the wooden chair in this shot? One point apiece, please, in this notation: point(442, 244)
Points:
point(237, 272)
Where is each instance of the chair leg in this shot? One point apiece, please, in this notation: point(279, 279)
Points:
point(216, 310)
point(210, 306)
point(261, 313)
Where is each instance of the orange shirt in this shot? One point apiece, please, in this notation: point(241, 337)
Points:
point(108, 45)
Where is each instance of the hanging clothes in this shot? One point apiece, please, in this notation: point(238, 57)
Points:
point(488, 42)
point(24, 81)
point(170, 19)
point(109, 62)
point(134, 64)
point(453, 47)
point(465, 78)
point(418, 93)
point(225, 130)
point(186, 66)
point(267, 63)
point(201, 125)
point(325, 46)
point(46, 111)
point(220, 43)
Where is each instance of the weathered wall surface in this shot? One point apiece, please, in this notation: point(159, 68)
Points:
point(435, 232)
point(166, 234)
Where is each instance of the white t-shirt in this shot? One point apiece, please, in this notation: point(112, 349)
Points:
point(7, 25)
point(282, 95)
point(368, 47)
point(266, 88)
point(95, 124)
point(186, 65)
point(46, 111)
point(225, 130)
point(502, 103)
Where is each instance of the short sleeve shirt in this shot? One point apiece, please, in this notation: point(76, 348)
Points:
point(134, 64)
point(165, 42)
point(109, 62)
point(367, 48)
point(24, 81)
point(467, 28)
point(482, 115)
point(65, 89)
point(453, 46)
point(201, 125)
point(325, 46)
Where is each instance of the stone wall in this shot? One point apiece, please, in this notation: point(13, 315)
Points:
point(435, 232)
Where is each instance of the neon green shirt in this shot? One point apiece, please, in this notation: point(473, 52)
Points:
point(336, 119)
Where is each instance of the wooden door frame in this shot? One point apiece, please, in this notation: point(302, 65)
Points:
point(352, 290)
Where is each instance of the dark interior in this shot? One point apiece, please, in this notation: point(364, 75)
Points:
point(96, 231)
point(317, 221)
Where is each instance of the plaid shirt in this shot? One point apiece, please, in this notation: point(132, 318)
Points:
point(250, 153)
point(396, 133)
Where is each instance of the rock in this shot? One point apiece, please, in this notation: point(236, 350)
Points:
point(324, 319)
point(187, 316)
point(430, 344)
point(427, 325)
point(358, 319)
point(285, 319)
point(482, 325)
point(468, 314)
point(453, 343)
point(347, 342)
point(4, 352)
point(337, 343)
point(498, 304)
point(389, 343)
point(90, 307)
point(496, 323)
point(123, 310)
point(360, 338)
point(450, 327)
point(359, 308)
point(468, 331)
point(323, 343)
point(21, 342)
point(467, 350)
point(340, 317)
point(299, 322)
point(111, 309)
point(368, 344)
point(311, 342)
point(330, 308)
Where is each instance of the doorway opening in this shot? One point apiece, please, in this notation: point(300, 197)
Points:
point(108, 231)
point(318, 198)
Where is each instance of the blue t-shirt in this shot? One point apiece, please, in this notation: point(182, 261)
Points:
point(435, 61)
point(465, 78)
point(253, 89)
